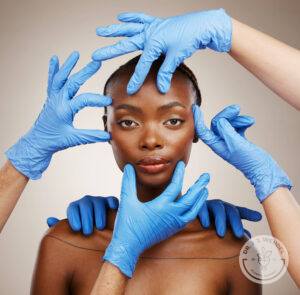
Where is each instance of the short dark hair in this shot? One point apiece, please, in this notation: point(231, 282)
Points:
point(128, 69)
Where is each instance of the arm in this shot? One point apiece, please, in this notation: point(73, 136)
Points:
point(53, 131)
point(271, 183)
point(12, 184)
point(271, 61)
point(111, 281)
point(53, 269)
point(283, 214)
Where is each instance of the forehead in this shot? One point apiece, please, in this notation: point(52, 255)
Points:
point(148, 96)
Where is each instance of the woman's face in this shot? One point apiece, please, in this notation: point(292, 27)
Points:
point(150, 130)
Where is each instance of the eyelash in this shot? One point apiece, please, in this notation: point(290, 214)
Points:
point(130, 127)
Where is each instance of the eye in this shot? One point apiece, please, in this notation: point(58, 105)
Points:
point(127, 124)
point(174, 122)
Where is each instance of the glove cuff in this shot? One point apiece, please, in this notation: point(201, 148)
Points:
point(121, 257)
point(26, 160)
point(221, 40)
point(267, 184)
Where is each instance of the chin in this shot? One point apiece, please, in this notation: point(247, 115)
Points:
point(157, 180)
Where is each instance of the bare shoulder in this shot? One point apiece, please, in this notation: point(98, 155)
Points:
point(62, 232)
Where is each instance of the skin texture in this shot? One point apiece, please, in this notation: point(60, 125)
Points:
point(192, 261)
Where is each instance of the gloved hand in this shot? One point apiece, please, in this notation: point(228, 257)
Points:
point(225, 214)
point(139, 225)
point(176, 37)
point(258, 166)
point(84, 213)
point(53, 130)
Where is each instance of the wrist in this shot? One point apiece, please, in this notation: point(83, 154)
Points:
point(273, 177)
point(221, 37)
point(122, 256)
point(27, 159)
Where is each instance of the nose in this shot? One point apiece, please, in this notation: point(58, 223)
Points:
point(150, 138)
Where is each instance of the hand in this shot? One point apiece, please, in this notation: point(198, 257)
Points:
point(53, 130)
point(258, 166)
point(176, 37)
point(139, 225)
point(224, 213)
point(84, 213)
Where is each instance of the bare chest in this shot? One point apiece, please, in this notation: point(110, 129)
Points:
point(163, 276)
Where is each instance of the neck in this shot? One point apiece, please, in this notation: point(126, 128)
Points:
point(148, 193)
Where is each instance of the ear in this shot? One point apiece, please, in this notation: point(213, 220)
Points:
point(104, 120)
point(195, 139)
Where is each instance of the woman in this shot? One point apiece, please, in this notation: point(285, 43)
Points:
point(271, 61)
point(154, 133)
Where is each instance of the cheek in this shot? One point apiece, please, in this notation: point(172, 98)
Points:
point(123, 146)
point(180, 141)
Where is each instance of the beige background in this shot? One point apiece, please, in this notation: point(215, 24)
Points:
point(31, 31)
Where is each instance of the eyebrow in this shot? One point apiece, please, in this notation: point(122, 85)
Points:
point(139, 110)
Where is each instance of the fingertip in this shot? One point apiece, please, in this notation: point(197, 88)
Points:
point(54, 59)
point(257, 216)
point(107, 100)
point(239, 232)
point(51, 221)
point(221, 232)
point(87, 231)
point(205, 176)
point(235, 106)
point(247, 233)
point(131, 89)
point(75, 54)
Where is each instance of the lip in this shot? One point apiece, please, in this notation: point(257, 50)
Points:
point(153, 164)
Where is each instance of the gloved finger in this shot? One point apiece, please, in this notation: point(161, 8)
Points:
point(205, 134)
point(112, 202)
point(242, 123)
point(192, 213)
point(73, 216)
point(217, 209)
point(136, 17)
point(229, 113)
point(247, 233)
point(122, 47)
point(142, 69)
point(62, 75)
point(53, 69)
point(87, 217)
point(190, 197)
point(249, 214)
point(234, 219)
point(87, 136)
point(120, 30)
point(89, 100)
point(230, 136)
point(128, 188)
point(51, 221)
point(76, 80)
point(174, 187)
point(165, 73)
point(99, 212)
point(203, 216)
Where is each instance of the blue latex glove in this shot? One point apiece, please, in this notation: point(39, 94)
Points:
point(53, 130)
point(225, 214)
point(83, 214)
point(176, 37)
point(258, 166)
point(139, 225)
